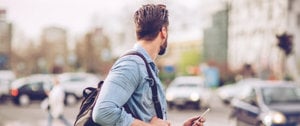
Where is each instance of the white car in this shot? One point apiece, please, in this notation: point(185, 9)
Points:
point(227, 92)
point(188, 90)
point(6, 77)
point(74, 83)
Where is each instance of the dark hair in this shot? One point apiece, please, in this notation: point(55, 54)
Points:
point(149, 20)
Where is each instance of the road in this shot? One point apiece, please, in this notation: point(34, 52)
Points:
point(11, 115)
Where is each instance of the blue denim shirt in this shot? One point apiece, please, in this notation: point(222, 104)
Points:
point(128, 82)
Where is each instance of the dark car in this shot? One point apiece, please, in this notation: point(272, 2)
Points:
point(268, 103)
point(31, 88)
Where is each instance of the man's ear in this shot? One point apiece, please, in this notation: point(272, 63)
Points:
point(164, 32)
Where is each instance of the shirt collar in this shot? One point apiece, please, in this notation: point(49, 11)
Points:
point(137, 47)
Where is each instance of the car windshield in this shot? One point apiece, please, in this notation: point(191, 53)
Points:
point(279, 95)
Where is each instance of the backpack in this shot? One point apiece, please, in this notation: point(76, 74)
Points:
point(90, 95)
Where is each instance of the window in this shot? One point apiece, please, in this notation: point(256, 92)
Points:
point(77, 79)
point(26, 87)
point(36, 86)
point(290, 4)
point(280, 95)
point(47, 86)
point(251, 98)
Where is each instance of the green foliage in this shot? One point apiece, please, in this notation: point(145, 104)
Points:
point(188, 59)
point(166, 78)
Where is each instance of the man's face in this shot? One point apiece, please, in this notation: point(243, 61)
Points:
point(163, 47)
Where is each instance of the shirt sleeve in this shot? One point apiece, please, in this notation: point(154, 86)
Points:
point(117, 89)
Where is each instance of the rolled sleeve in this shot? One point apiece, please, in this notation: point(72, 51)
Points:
point(117, 89)
point(106, 115)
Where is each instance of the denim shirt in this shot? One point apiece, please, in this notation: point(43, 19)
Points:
point(128, 82)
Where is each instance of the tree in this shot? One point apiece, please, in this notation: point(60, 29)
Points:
point(188, 59)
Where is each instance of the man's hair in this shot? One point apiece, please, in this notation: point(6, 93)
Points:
point(149, 20)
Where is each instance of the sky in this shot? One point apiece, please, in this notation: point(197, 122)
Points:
point(75, 15)
point(78, 16)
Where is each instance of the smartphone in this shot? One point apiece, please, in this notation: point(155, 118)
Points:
point(204, 113)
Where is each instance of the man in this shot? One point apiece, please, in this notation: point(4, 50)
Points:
point(128, 81)
point(56, 103)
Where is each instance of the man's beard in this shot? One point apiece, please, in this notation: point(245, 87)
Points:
point(163, 48)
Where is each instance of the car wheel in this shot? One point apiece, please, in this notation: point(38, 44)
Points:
point(24, 100)
point(198, 105)
point(171, 106)
point(180, 107)
point(233, 121)
point(260, 124)
point(2, 99)
point(71, 99)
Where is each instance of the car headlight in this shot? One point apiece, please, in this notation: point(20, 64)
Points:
point(223, 95)
point(274, 118)
point(194, 96)
point(169, 96)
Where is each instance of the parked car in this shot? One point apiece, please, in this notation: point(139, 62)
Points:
point(268, 104)
point(188, 90)
point(30, 88)
point(74, 83)
point(227, 92)
point(6, 77)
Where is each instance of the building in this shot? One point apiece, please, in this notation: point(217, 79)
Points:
point(101, 44)
point(55, 50)
point(293, 28)
point(215, 43)
point(174, 57)
point(215, 39)
point(253, 26)
point(5, 41)
point(100, 50)
point(293, 25)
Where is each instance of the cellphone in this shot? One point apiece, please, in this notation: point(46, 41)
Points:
point(204, 113)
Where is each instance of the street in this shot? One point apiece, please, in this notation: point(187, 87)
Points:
point(33, 115)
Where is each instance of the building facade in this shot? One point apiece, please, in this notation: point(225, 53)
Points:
point(293, 27)
point(253, 26)
point(5, 41)
point(215, 43)
point(175, 49)
point(55, 50)
point(215, 38)
point(176, 59)
point(100, 52)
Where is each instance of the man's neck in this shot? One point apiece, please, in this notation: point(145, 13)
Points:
point(152, 47)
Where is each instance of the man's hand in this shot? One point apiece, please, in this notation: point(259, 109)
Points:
point(194, 121)
point(159, 122)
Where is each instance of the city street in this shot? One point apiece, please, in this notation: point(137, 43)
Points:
point(238, 49)
point(11, 115)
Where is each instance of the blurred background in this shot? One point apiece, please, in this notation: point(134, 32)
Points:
point(223, 41)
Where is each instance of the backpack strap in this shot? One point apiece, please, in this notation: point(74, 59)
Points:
point(155, 99)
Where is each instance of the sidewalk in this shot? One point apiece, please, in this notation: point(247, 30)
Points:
point(37, 123)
